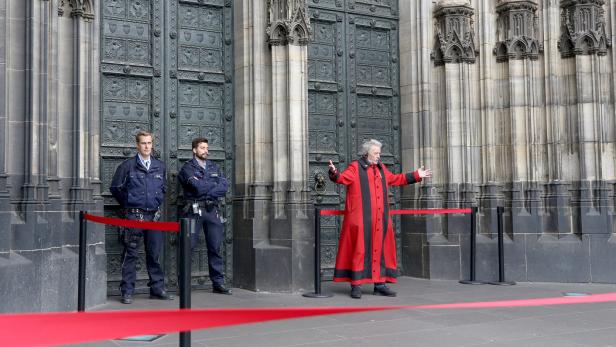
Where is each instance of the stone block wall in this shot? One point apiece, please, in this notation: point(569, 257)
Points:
point(48, 154)
point(511, 103)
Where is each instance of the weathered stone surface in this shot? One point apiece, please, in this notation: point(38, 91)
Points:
point(526, 125)
point(46, 169)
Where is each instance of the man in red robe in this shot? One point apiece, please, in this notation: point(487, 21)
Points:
point(367, 248)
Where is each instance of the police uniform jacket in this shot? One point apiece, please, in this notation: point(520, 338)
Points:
point(202, 184)
point(133, 186)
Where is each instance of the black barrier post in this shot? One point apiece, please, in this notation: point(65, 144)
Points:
point(81, 280)
point(187, 227)
point(317, 258)
point(501, 254)
point(473, 248)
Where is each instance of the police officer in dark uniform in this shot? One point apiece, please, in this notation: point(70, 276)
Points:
point(203, 184)
point(139, 186)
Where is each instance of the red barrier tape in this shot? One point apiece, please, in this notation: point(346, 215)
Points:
point(566, 300)
point(426, 211)
point(137, 224)
point(332, 212)
point(433, 211)
point(82, 327)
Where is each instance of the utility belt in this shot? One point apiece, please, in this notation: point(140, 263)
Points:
point(196, 206)
point(130, 237)
point(142, 212)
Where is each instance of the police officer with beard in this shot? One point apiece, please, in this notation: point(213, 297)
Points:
point(203, 184)
point(139, 187)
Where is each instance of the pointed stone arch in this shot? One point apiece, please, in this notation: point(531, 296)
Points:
point(278, 35)
point(299, 35)
point(454, 54)
point(519, 49)
point(288, 23)
point(501, 52)
point(585, 44)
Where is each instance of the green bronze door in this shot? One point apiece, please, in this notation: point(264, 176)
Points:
point(166, 66)
point(353, 94)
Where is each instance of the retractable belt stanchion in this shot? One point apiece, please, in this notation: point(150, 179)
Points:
point(187, 227)
point(81, 281)
point(84, 217)
point(317, 258)
point(473, 251)
point(501, 252)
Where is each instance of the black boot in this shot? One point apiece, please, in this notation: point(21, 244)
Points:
point(382, 289)
point(356, 292)
point(162, 295)
point(220, 289)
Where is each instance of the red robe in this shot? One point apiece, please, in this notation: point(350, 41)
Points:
point(367, 248)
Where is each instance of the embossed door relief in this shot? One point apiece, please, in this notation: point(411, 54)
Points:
point(166, 66)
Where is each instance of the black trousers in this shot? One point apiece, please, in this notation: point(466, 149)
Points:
point(153, 242)
point(214, 232)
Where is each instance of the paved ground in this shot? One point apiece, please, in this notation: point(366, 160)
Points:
point(562, 326)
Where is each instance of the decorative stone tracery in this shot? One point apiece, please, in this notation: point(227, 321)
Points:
point(517, 30)
point(78, 8)
point(288, 23)
point(455, 33)
point(583, 28)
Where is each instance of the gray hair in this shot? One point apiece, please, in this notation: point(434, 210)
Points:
point(365, 147)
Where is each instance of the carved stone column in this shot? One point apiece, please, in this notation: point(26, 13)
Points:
point(291, 227)
point(51, 99)
point(421, 135)
point(253, 147)
point(517, 49)
point(289, 32)
point(446, 129)
point(454, 55)
point(273, 218)
point(5, 214)
point(584, 40)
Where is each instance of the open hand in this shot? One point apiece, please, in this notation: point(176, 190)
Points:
point(424, 172)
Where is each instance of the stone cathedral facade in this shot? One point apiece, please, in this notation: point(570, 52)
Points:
point(510, 102)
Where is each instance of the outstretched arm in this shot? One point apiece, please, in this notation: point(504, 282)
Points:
point(345, 177)
point(407, 178)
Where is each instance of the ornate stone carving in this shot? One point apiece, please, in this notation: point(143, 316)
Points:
point(288, 22)
point(517, 34)
point(583, 28)
point(79, 8)
point(455, 33)
point(61, 7)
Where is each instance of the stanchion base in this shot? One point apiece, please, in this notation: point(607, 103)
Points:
point(142, 338)
point(471, 282)
point(317, 295)
point(505, 283)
